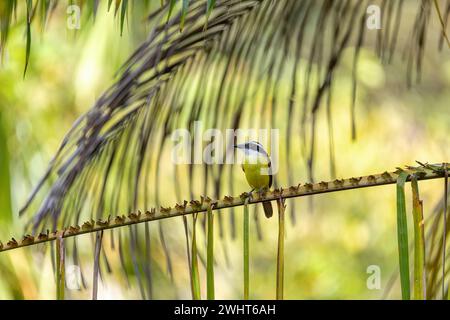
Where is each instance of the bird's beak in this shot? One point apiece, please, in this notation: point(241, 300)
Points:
point(238, 146)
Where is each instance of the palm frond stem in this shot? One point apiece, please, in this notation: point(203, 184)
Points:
point(423, 172)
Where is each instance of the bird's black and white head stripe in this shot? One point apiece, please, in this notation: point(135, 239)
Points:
point(253, 145)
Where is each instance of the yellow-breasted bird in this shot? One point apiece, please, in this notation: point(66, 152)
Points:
point(256, 166)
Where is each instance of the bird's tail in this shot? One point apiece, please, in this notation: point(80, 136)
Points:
point(268, 211)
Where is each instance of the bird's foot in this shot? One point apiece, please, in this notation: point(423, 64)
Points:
point(262, 193)
point(249, 195)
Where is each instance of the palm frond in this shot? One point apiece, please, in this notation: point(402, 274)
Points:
point(111, 159)
point(40, 11)
point(129, 126)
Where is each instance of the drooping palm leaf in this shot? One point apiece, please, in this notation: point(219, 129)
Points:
point(135, 117)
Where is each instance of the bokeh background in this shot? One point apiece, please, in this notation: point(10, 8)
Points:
point(337, 236)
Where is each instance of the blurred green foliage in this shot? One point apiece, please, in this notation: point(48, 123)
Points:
point(5, 181)
point(327, 252)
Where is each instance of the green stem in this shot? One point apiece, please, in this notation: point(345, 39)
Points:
point(97, 252)
point(196, 294)
point(419, 243)
point(280, 255)
point(402, 236)
point(444, 240)
point(246, 251)
point(60, 268)
point(210, 256)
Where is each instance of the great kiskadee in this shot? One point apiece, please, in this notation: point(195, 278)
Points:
point(256, 166)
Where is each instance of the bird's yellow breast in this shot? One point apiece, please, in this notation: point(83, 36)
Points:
point(256, 173)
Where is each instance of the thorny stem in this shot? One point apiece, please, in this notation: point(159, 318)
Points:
point(423, 172)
